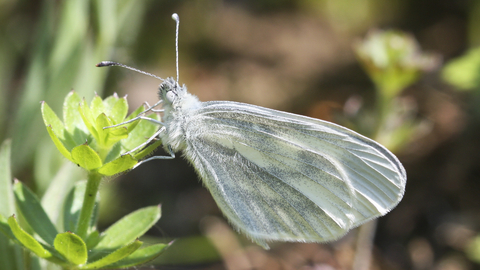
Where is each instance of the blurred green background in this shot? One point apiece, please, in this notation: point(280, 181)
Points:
point(296, 56)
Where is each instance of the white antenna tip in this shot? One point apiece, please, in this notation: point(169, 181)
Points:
point(175, 17)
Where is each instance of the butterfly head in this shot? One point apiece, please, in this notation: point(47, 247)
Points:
point(172, 93)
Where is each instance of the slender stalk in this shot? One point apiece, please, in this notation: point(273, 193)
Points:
point(88, 204)
point(364, 246)
point(366, 232)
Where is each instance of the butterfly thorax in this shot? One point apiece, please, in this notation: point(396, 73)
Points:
point(178, 104)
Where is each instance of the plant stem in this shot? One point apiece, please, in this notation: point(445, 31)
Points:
point(88, 204)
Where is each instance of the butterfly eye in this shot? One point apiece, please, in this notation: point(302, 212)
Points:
point(170, 95)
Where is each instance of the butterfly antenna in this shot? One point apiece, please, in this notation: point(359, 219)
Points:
point(111, 64)
point(176, 18)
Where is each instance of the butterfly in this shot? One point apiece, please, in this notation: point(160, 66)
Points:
point(277, 176)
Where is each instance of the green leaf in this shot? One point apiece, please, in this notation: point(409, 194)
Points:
point(63, 150)
point(142, 131)
point(72, 119)
point(97, 106)
point(5, 229)
point(88, 118)
point(85, 157)
point(118, 165)
point(103, 134)
point(27, 240)
point(118, 133)
point(8, 250)
point(70, 111)
point(51, 119)
point(58, 131)
point(114, 257)
point(464, 72)
point(54, 198)
point(93, 239)
point(140, 256)
point(116, 108)
point(71, 247)
point(31, 209)
point(129, 228)
point(134, 114)
point(109, 136)
point(109, 103)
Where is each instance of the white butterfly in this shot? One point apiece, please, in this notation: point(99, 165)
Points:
point(277, 175)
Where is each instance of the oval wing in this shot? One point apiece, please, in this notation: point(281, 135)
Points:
point(282, 176)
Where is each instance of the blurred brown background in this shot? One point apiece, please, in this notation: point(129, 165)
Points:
point(296, 56)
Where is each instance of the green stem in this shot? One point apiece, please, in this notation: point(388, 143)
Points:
point(384, 103)
point(88, 204)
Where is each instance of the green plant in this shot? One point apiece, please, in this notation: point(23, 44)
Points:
point(393, 60)
point(74, 242)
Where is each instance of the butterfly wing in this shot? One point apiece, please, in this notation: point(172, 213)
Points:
point(282, 176)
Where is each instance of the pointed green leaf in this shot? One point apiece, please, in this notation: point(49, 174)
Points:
point(70, 111)
point(119, 110)
point(85, 157)
point(114, 257)
point(116, 108)
point(5, 229)
point(118, 165)
point(63, 150)
point(8, 250)
point(109, 103)
point(97, 107)
point(51, 119)
point(103, 134)
point(93, 239)
point(72, 118)
point(27, 240)
point(143, 131)
point(71, 247)
point(109, 136)
point(57, 130)
point(54, 198)
point(140, 256)
point(129, 228)
point(134, 114)
point(118, 133)
point(32, 244)
point(31, 209)
point(88, 118)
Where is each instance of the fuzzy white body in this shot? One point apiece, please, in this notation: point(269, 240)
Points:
point(281, 176)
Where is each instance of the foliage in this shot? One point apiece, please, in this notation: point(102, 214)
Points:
point(85, 141)
point(393, 60)
point(75, 243)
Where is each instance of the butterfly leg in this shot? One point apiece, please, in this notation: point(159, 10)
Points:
point(135, 119)
point(153, 137)
point(172, 156)
point(151, 108)
point(139, 116)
